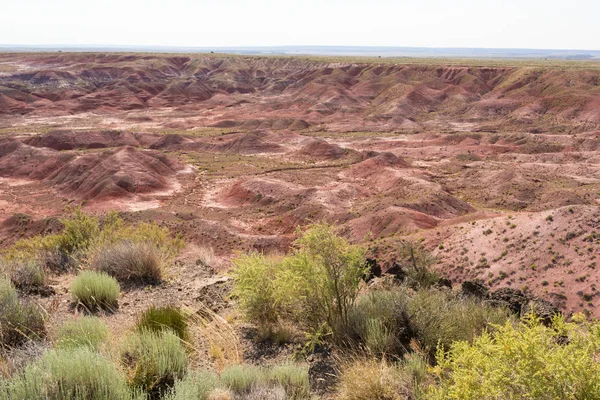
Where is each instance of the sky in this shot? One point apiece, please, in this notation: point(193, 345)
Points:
point(539, 24)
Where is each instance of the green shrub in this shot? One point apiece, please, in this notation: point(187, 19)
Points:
point(441, 317)
point(79, 232)
point(77, 374)
point(526, 361)
point(83, 331)
point(378, 321)
point(255, 287)
point(197, 386)
point(129, 262)
point(154, 361)
point(95, 290)
point(19, 320)
point(164, 318)
point(314, 286)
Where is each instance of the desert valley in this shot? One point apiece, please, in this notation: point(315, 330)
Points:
point(491, 167)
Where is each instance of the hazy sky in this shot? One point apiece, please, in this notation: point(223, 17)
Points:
point(545, 24)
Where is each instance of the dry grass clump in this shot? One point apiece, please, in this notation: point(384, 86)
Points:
point(128, 261)
point(371, 379)
point(143, 246)
point(19, 320)
point(95, 290)
point(25, 274)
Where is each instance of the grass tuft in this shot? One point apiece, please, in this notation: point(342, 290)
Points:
point(85, 331)
point(164, 318)
point(153, 361)
point(73, 374)
point(95, 290)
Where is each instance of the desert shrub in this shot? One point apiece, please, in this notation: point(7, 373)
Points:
point(416, 263)
point(77, 374)
point(378, 321)
point(78, 233)
point(19, 320)
point(129, 262)
point(25, 273)
point(314, 286)
point(95, 290)
point(164, 318)
point(197, 386)
point(255, 287)
point(370, 379)
point(83, 236)
point(84, 331)
point(153, 361)
point(115, 230)
point(524, 361)
point(439, 317)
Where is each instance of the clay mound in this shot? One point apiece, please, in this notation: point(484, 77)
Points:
point(249, 143)
point(70, 140)
point(114, 174)
point(18, 160)
point(261, 191)
point(170, 141)
point(391, 221)
point(9, 105)
point(292, 124)
point(380, 166)
point(385, 159)
point(181, 93)
point(322, 150)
